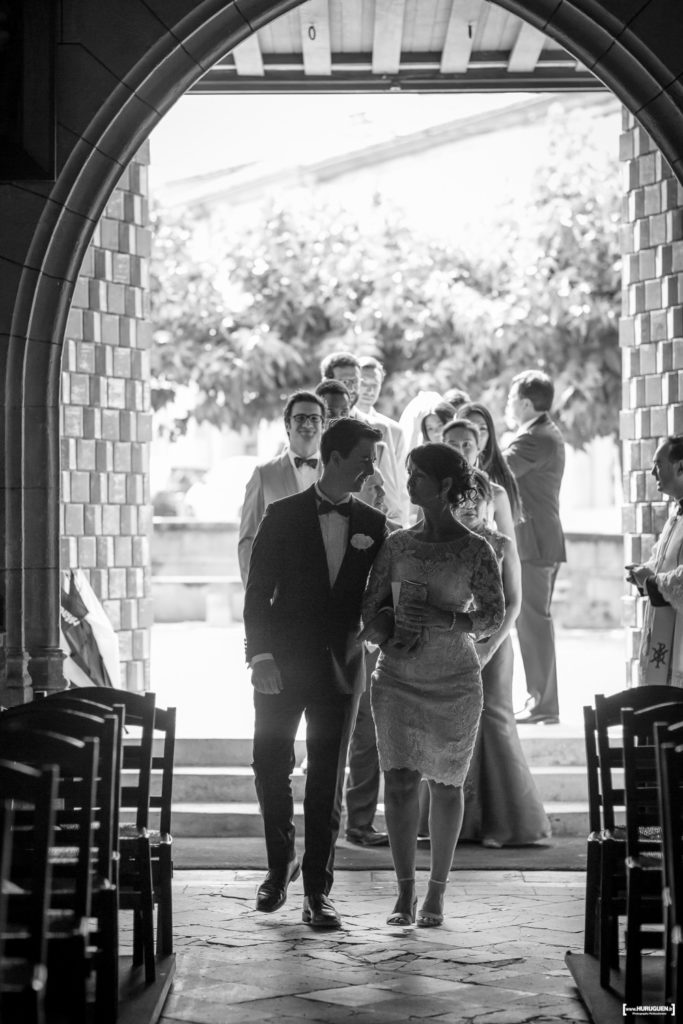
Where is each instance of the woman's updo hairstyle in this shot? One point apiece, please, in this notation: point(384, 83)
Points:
point(441, 461)
point(482, 484)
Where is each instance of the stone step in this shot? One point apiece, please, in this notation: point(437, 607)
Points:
point(542, 745)
point(196, 784)
point(219, 820)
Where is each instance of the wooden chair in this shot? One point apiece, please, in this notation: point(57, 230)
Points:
point(161, 836)
point(106, 728)
point(669, 758)
point(135, 884)
point(644, 863)
point(6, 818)
point(612, 886)
point(71, 951)
point(594, 840)
point(147, 791)
point(26, 874)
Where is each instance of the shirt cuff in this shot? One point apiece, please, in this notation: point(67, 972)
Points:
point(657, 600)
point(260, 657)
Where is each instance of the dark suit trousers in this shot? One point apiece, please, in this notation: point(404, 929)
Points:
point(329, 719)
point(362, 786)
point(537, 636)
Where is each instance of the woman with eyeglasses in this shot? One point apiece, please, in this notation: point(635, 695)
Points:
point(463, 435)
point(490, 457)
point(502, 805)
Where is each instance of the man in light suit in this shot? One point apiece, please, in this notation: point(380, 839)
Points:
point(294, 470)
point(346, 367)
point(309, 566)
point(536, 457)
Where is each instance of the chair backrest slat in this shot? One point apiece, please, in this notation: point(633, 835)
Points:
point(136, 752)
point(54, 717)
point(75, 760)
point(35, 790)
point(608, 717)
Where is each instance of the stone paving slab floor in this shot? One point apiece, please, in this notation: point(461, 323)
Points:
point(498, 958)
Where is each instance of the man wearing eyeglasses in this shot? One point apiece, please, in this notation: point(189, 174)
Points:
point(297, 468)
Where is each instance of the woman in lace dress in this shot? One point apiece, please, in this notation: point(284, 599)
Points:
point(426, 701)
point(502, 805)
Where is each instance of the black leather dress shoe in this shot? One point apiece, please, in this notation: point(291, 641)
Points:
point(319, 911)
point(367, 837)
point(536, 718)
point(272, 892)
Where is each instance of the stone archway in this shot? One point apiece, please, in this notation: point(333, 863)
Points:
point(120, 71)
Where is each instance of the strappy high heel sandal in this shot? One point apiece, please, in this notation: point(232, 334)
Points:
point(400, 916)
point(427, 918)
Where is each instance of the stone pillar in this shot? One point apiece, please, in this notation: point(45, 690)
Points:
point(106, 422)
point(651, 337)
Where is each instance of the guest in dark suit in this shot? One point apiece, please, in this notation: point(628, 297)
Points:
point(309, 565)
point(536, 457)
point(294, 470)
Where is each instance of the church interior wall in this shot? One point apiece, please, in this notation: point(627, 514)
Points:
point(105, 422)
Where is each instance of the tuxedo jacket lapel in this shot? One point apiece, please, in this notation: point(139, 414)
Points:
point(289, 481)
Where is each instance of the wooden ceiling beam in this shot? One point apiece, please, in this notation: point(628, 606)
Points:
point(457, 47)
point(526, 49)
point(248, 58)
point(315, 37)
point(388, 36)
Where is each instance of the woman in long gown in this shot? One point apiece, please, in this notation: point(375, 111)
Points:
point(426, 700)
point(490, 458)
point(502, 805)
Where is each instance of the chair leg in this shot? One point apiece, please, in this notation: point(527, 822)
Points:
point(591, 916)
point(164, 893)
point(107, 981)
point(633, 978)
point(147, 910)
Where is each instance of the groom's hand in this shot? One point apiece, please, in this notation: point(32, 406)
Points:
point(379, 629)
point(265, 676)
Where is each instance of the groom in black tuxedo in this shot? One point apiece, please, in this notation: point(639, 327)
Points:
point(309, 565)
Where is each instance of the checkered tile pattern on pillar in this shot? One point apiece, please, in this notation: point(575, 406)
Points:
point(106, 422)
point(651, 338)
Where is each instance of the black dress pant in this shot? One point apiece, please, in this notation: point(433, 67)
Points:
point(537, 637)
point(329, 720)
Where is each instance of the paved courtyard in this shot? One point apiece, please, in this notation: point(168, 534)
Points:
point(498, 959)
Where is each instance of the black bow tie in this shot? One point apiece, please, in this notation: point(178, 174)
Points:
point(679, 508)
point(298, 462)
point(344, 509)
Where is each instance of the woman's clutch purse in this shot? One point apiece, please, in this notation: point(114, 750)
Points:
point(407, 638)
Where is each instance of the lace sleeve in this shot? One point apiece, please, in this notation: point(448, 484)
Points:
point(378, 588)
point(488, 606)
point(670, 586)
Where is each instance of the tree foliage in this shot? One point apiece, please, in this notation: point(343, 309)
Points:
point(300, 282)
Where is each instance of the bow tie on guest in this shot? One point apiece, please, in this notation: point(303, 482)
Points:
point(299, 462)
point(344, 508)
point(679, 508)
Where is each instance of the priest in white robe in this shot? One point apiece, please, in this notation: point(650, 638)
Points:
point(660, 579)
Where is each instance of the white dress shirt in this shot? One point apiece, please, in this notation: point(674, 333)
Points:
point(335, 532)
point(305, 475)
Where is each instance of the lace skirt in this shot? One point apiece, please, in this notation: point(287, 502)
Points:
point(427, 709)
